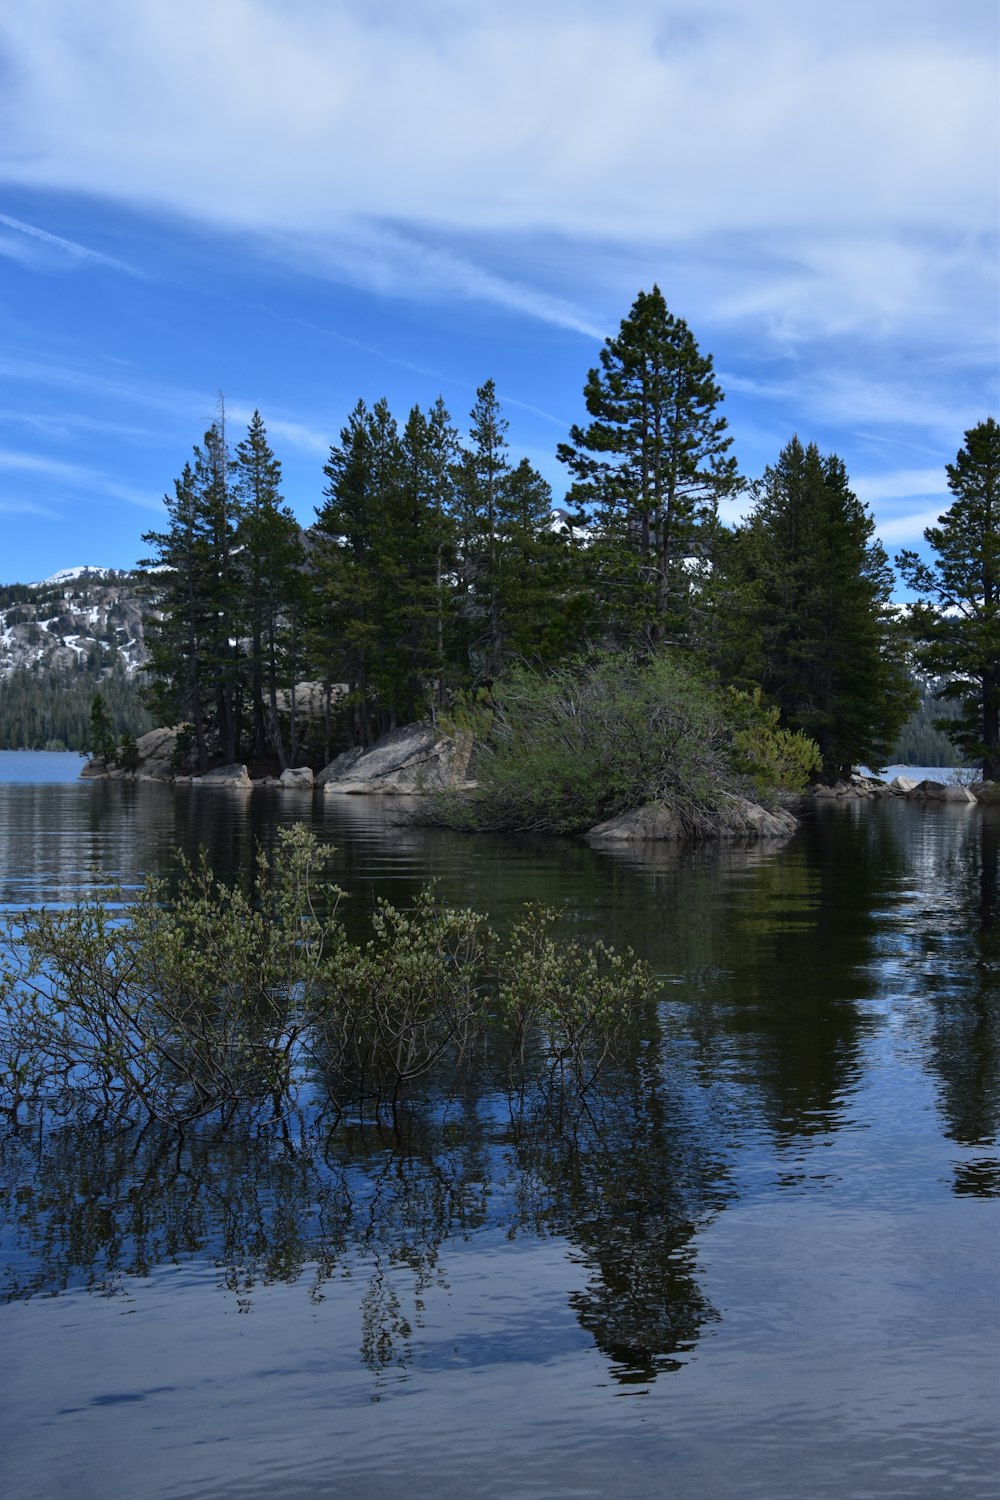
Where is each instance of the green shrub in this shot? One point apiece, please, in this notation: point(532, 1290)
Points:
point(211, 996)
point(586, 741)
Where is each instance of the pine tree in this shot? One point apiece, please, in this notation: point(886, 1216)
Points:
point(958, 620)
point(269, 569)
point(483, 474)
point(424, 603)
point(178, 588)
point(650, 467)
point(193, 645)
point(223, 656)
point(102, 734)
point(808, 612)
point(513, 570)
point(541, 584)
point(357, 565)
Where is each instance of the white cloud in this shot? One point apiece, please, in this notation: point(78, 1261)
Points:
point(295, 434)
point(74, 476)
point(24, 508)
point(908, 528)
point(375, 134)
point(49, 243)
point(900, 484)
point(828, 395)
point(33, 463)
point(383, 259)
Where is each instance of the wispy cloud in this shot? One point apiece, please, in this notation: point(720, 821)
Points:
point(140, 389)
point(19, 507)
point(75, 476)
point(840, 394)
point(909, 528)
point(295, 434)
point(35, 463)
point(67, 249)
point(899, 484)
point(63, 424)
point(383, 259)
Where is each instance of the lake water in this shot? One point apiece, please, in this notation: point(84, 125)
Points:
point(764, 1265)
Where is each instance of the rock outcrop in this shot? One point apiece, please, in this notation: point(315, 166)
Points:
point(299, 776)
point(234, 775)
point(403, 762)
point(156, 751)
point(737, 818)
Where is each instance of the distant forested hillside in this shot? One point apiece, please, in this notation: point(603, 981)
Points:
point(49, 708)
point(919, 743)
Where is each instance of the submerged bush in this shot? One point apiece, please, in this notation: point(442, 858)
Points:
point(567, 748)
point(214, 996)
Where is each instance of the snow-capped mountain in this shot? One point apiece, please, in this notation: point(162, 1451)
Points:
point(69, 575)
point(87, 616)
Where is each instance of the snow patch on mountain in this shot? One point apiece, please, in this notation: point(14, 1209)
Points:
point(87, 618)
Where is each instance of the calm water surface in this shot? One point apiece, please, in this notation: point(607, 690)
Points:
point(765, 1265)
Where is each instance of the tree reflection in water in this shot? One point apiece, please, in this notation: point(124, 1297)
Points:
point(91, 1204)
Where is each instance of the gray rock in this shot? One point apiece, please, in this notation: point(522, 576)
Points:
point(405, 761)
point(651, 822)
point(986, 791)
point(903, 783)
point(300, 776)
point(338, 768)
point(933, 790)
point(744, 819)
point(956, 793)
point(234, 775)
point(738, 818)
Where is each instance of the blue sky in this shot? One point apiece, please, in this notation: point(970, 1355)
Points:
point(297, 203)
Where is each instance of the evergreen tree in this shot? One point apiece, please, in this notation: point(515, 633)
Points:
point(128, 753)
point(651, 467)
point(175, 635)
point(225, 619)
point(358, 564)
point(483, 475)
point(808, 612)
point(269, 569)
point(102, 733)
point(424, 633)
point(193, 645)
point(514, 573)
point(958, 620)
point(542, 589)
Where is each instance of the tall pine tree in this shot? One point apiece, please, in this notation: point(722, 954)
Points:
point(958, 620)
point(650, 468)
point(269, 570)
point(358, 566)
point(179, 589)
point(483, 474)
point(808, 614)
point(513, 568)
point(424, 602)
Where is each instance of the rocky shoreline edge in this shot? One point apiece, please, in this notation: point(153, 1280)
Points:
point(418, 760)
